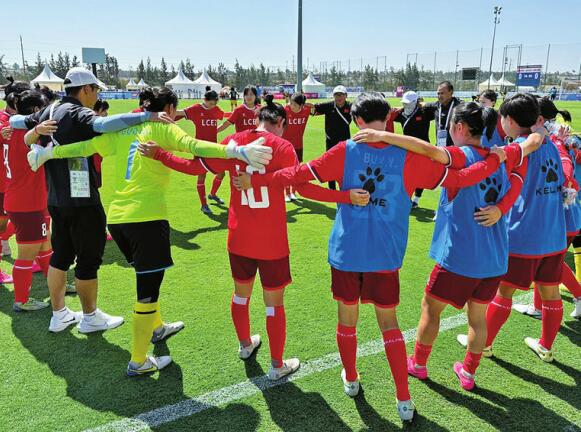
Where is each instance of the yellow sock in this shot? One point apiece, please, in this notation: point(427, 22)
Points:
point(577, 255)
point(157, 322)
point(143, 319)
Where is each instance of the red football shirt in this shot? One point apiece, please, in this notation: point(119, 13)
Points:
point(25, 189)
point(205, 120)
point(295, 125)
point(244, 118)
point(4, 122)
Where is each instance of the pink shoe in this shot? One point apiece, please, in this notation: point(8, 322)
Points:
point(109, 238)
point(36, 268)
point(419, 372)
point(5, 278)
point(466, 382)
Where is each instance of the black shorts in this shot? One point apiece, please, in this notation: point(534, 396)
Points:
point(145, 244)
point(78, 232)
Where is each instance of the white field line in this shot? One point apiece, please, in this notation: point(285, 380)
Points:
point(231, 393)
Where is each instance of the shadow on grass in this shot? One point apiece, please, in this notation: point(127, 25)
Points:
point(423, 215)
point(305, 206)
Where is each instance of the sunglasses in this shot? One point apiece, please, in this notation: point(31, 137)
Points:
point(96, 87)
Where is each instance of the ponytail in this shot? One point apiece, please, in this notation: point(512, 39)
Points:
point(299, 98)
point(549, 110)
point(477, 118)
point(272, 111)
point(490, 119)
point(156, 99)
point(566, 115)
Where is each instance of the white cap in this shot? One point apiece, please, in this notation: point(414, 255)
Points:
point(339, 89)
point(409, 97)
point(79, 76)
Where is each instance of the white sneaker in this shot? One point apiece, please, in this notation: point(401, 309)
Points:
point(293, 197)
point(544, 354)
point(245, 352)
point(463, 340)
point(150, 365)
point(577, 311)
point(406, 410)
point(288, 367)
point(100, 321)
point(166, 330)
point(528, 310)
point(68, 318)
point(287, 198)
point(31, 305)
point(351, 387)
point(6, 250)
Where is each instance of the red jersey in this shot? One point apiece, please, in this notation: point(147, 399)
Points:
point(205, 120)
point(391, 116)
point(25, 189)
point(138, 110)
point(4, 122)
point(244, 118)
point(295, 125)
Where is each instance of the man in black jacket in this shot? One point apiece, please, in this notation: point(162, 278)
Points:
point(440, 111)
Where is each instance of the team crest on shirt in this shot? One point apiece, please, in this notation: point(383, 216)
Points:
point(370, 179)
point(549, 171)
point(490, 190)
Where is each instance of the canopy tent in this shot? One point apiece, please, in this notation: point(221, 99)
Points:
point(503, 82)
point(142, 84)
point(203, 81)
point(493, 85)
point(180, 82)
point(311, 85)
point(131, 85)
point(49, 79)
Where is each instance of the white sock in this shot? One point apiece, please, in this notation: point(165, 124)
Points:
point(416, 200)
point(60, 313)
point(89, 316)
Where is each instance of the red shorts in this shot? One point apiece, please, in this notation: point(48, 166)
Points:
point(30, 227)
point(379, 288)
point(457, 290)
point(274, 274)
point(522, 272)
point(570, 238)
point(3, 214)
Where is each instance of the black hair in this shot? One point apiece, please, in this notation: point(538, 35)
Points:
point(143, 95)
point(101, 105)
point(211, 95)
point(490, 95)
point(271, 111)
point(14, 87)
point(549, 110)
point(71, 91)
point(208, 88)
point(156, 99)
point(523, 108)
point(448, 84)
point(370, 106)
point(250, 88)
point(28, 100)
point(477, 118)
point(48, 94)
point(299, 98)
point(10, 100)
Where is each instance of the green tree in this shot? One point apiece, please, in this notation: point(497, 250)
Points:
point(189, 69)
point(370, 78)
point(38, 65)
point(140, 70)
point(221, 74)
point(163, 74)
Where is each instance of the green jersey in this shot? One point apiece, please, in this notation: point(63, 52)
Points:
point(140, 183)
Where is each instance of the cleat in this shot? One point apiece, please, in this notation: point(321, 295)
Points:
point(463, 340)
point(216, 199)
point(528, 310)
point(31, 305)
point(466, 379)
point(287, 198)
point(70, 288)
point(69, 318)
point(544, 354)
point(149, 366)
point(166, 331)
point(406, 410)
point(5, 278)
point(288, 367)
point(577, 311)
point(206, 210)
point(246, 352)
point(419, 372)
point(293, 197)
point(109, 237)
point(351, 388)
point(100, 321)
point(6, 250)
point(35, 267)
point(415, 205)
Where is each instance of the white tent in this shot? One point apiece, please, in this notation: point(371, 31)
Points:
point(311, 85)
point(204, 81)
point(49, 79)
point(503, 82)
point(131, 85)
point(493, 85)
point(180, 82)
point(142, 84)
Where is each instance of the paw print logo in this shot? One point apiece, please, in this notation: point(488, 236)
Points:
point(370, 178)
point(549, 168)
point(491, 189)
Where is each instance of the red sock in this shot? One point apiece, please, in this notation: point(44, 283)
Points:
point(202, 191)
point(421, 353)
point(43, 260)
point(22, 275)
point(552, 316)
point(215, 185)
point(347, 343)
point(396, 356)
point(276, 329)
point(8, 232)
point(471, 362)
point(570, 281)
point(241, 318)
point(537, 300)
point(497, 313)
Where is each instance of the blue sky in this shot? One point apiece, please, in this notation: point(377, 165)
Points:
point(261, 30)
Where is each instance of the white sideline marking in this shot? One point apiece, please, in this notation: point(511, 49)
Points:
point(231, 393)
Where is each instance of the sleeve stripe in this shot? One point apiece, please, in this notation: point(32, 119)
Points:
point(443, 178)
point(313, 172)
point(449, 157)
point(206, 167)
point(522, 156)
point(518, 176)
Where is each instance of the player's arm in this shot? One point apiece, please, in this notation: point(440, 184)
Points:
point(568, 168)
point(27, 122)
point(358, 197)
point(185, 166)
point(229, 121)
point(322, 108)
point(47, 127)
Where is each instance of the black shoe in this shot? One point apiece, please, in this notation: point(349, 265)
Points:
point(216, 198)
point(206, 210)
point(415, 205)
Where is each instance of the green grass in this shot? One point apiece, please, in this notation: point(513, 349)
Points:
point(69, 381)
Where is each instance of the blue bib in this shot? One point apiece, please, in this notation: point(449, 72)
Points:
point(573, 213)
point(537, 219)
point(459, 244)
point(372, 238)
point(496, 140)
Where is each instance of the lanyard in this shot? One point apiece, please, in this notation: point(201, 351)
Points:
point(447, 117)
point(50, 113)
point(410, 117)
point(341, 115)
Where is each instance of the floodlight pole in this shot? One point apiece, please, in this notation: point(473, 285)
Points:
point(23, 62)
point(497, 11)
point(300, 50)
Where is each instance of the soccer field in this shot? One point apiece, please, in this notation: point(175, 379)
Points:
point(72, 382)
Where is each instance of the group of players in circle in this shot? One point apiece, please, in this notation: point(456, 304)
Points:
point(508, 212)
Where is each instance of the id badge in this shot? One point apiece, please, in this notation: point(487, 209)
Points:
point(442, 138)
point(79, 178)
